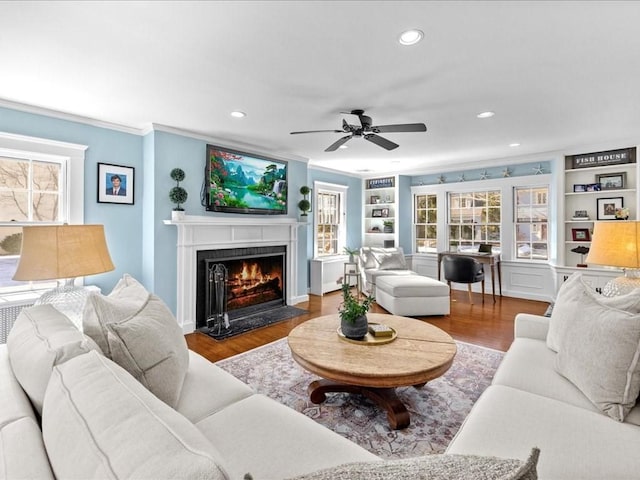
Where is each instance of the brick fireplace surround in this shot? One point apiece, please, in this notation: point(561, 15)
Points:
point(210, 233)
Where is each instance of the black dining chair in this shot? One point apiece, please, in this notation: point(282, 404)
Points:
point(461, 269)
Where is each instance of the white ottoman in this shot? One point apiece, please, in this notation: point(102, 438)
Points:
point(412, 295)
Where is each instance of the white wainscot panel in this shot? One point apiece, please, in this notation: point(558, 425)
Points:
point(534, 281)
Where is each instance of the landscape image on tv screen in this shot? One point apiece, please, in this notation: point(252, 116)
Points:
point(239, 182)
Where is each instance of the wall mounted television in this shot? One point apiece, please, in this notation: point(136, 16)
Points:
point(240, 182)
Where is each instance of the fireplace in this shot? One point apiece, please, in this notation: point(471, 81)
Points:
point(196, 233)
point(236, 282)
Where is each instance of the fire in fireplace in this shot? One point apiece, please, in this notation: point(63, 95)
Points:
point(234, 283)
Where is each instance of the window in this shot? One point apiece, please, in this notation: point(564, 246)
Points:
point(426, 211)
point(30, 193)
point(474, 218)
point(35, 181)
point(531, 224)
point(329, 219)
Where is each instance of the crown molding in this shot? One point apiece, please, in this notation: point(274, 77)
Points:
point(22, 107)
point(246, 147)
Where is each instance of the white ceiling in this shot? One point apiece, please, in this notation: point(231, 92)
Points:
point(557, 74)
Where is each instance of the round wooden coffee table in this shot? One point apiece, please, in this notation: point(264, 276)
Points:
point(421, 352)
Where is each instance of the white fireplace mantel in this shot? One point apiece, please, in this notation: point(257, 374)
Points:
point(213, 233)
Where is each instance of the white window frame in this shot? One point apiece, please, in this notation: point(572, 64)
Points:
point(72, 157)
point(341, 192)
point(516, 222)
point(463, 205)
point(507, 232)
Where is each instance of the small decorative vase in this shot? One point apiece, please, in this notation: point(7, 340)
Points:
point(177, 215)
point(387, 229)
point(355, 330)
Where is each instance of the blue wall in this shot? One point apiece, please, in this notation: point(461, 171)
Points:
point(139, 242)
point(122, 223)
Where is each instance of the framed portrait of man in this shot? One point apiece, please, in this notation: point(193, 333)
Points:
point(115, 184)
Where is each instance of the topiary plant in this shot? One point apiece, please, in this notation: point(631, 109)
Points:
point(304, 205)
point(177, 194)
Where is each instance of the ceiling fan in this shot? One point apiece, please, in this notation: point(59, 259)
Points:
point(368, 131)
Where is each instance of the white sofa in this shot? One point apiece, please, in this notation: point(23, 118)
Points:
point(530, 403)
point(68, 411)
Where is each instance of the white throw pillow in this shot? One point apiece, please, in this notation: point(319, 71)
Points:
point(128, 297)
point(570, 303)
point(40, 339)
point(600, 355)
point(141, 335)
point(389, 259)
point(366, 259)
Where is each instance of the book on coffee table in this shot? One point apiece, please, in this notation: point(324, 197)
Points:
point(380, 330)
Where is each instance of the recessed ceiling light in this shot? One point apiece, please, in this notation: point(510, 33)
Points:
point(514, 144)
point(343, 146)
point(411, 37)
point(486, 115)
point(238, 114)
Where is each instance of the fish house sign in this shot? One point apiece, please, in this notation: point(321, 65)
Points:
point(599, 159)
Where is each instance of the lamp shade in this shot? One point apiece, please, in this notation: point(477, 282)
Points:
point(62, 251)
point(615, 243)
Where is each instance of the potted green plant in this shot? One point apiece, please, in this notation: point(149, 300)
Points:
point(388, 226)
point(304, 205)
point(352, 252)
point(177, 194)
point(353, 314)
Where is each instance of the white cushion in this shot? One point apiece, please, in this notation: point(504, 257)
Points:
point(530, 366)
point(574, 443)
point(40, 339)
point(142, 337)
point(208, 389)
point(22, 453)
point(412, 286)
point(119, 429)
point(570, 303)
point(600, 354)
point(272, 441)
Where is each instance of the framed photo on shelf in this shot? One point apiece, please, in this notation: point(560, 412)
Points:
point(115, 184)
point(376, 212)
point(374, 199)
point(385, 212)
point(612, 181)
point(593, 187)
point(579, 187)
point(580, 234)
point(607, 207)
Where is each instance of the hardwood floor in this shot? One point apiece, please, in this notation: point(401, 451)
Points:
point(489, 324)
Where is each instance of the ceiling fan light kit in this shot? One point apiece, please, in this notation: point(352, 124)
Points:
point(368, 131)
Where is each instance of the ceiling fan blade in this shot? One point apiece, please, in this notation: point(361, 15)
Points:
point(318, 131)
point(400, 127)
point(334, 146)
point(346, 127)
point(381, 141)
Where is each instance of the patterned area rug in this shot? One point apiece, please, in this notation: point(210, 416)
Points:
point(437, 410)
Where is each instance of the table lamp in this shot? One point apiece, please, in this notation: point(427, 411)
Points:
point(615, 244)
point(63, 252)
